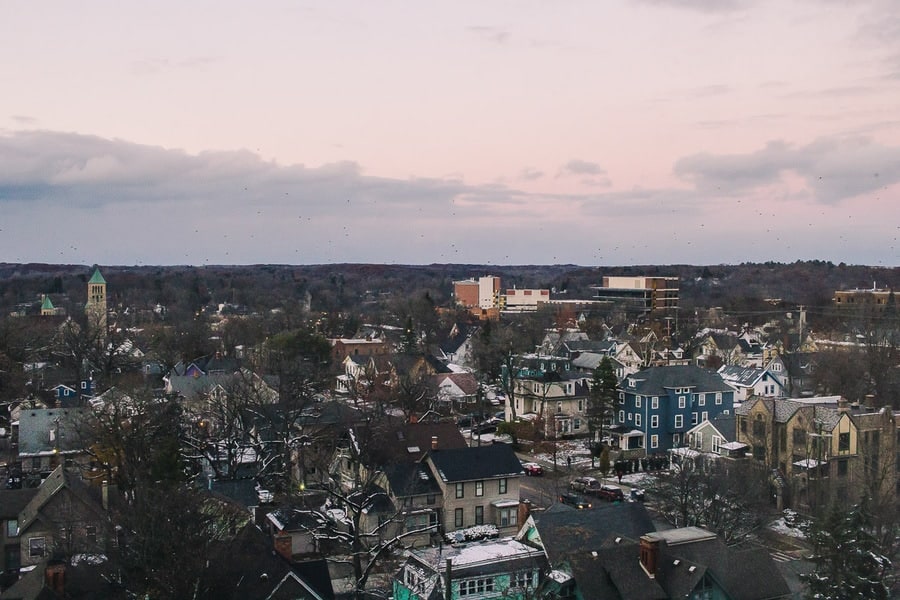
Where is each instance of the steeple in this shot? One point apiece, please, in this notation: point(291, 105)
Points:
point(96, 303)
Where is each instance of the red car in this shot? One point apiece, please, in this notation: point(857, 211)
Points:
point(533, 469)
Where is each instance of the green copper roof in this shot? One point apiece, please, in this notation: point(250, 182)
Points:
point(97, 277)
point(47, 305)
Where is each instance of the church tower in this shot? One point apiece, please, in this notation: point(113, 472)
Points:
point(96, 300)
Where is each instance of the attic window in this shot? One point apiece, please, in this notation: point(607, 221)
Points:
point(692, 568)
point(618, 540)
point(676, 562)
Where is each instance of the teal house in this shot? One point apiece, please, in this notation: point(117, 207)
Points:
point(503, 568)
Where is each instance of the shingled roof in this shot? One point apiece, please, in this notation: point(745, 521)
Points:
point(656, 381)
point(481, 462)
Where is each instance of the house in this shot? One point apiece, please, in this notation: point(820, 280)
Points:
point(715, 348)
point(503, 568)
point(65, 517)
point(752, 381)
point(458, 347)
point(456, 390)
point(47, 437)
point(479, 486)
point(716, 437)
point(11, 504)
point(587, 362)
point(564, 534)
point(813, 442)
point(557, 400)
point(246, 568)
point(824, 447)
point(341, 348)
point(662, 403)
point(295, 532)
point(689, 562)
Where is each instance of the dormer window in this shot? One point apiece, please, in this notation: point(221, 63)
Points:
point(631, 382)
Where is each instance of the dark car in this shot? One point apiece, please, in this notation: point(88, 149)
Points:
point(533, 469)
point(610, 493)
point(574, 500)
point(584, 484)
point(484, 428)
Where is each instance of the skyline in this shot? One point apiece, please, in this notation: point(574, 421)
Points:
point(636, 132)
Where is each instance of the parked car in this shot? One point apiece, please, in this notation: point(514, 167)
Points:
point(583, 484)
point(533, 469)
point(610, 493)
point(575, 500)
point(484, 428)
point(637, 494)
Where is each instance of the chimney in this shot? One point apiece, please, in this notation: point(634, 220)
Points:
point(870, 401)
point(843, 405)
point(55, 577)
point(448, 586)
point(434, 442)
point(649, 555)
point(524, 510)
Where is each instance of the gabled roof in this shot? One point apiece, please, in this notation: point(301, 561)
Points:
point(565, 533)
point(656, 381)
point(58, 480)
point(466, 382)
point(47, 304)
point(13, 501)
point(247, 567)
point(481, 462)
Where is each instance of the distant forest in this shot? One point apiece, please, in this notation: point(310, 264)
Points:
point(748, 287)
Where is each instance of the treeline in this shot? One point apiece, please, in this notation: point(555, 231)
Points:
point(748, 287)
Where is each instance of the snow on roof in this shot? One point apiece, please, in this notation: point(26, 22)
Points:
point(808, 463)
point(487, 552)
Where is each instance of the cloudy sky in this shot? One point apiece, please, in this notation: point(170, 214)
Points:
point(501, 132)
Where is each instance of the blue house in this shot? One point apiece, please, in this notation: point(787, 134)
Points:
point(657, 406)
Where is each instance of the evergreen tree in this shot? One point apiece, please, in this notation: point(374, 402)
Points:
point(602, 398)
point(849, 562)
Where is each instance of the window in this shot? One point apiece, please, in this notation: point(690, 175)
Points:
point(681, 402)
point(501, 486)
point(622, 417)
point(637, 401)
point(654, 441)
point(524, 579)
point(693, 418)
point(581, 406)
point(654, 421)
point(12, 528)
point(479, 515)
point(430, 499)
point(460, 490)
point(479, 488)
point(508, 516)
point(91, 532)
point(457, 517)
point(654, 403)
point(799, 436)
point(577, 424)
point(36, 547)
point(844, 442)
point(704, 416)
point(476, 587)
point(718, 397)
point(621, 397)
point(702, 399)
point(698, 439)
point(842, 467)
point(676, 439)
point(759, 427)
point(679, 421)
point(559, 407)
point(629, 416)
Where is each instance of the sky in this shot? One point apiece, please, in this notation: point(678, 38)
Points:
point(610, 132)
